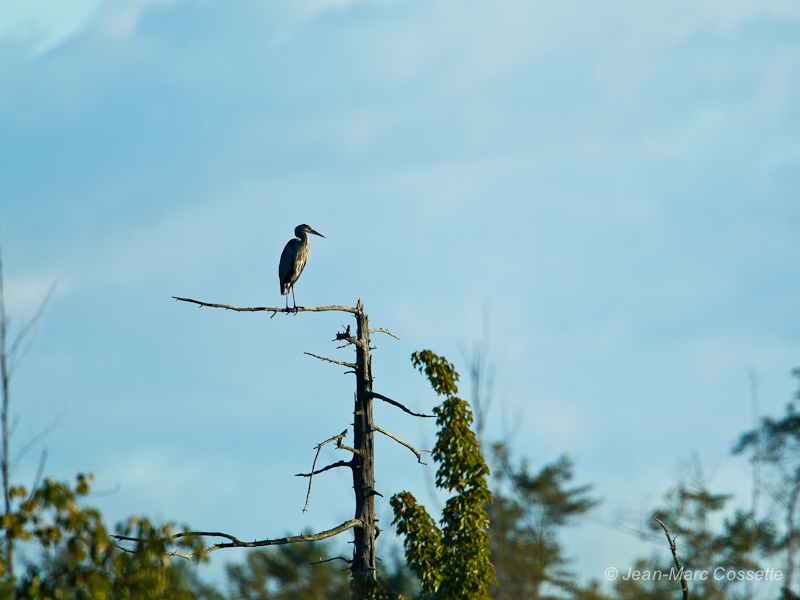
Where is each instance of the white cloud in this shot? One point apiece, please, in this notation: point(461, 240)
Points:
point(44, 23)
point(129, 256)
point(47, 23)
point(494, 39)
point(312, 8)
point(23, 296)
point(156, 481)
point(122, 17)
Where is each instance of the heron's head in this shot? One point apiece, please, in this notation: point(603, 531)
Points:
point(301, 229)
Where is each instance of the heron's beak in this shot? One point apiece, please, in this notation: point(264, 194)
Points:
point(315, 233)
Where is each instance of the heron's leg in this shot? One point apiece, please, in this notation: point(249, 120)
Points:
point(293, 300)
point(287, 302)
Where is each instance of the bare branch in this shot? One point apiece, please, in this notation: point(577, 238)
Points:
point(319, 562)
point(416, 452)
point(341, 446)
point(25, 331)
point(347, 337)
point(757, 478)
point(271, 309)
point(318, 447)
point(382, 330)
point(287, 540)
point(8, 561)
point(684, 585)
point(38, 476)
point(340, 463)
point(129, 551)
point(350, 342)
point(232, 538)
point(481, 374)
point(237, 543)
point(330, 360)
point(36, 439)
point(397, 404)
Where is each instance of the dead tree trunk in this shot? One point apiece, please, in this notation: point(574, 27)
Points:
point(363, 568)
point(362, 464)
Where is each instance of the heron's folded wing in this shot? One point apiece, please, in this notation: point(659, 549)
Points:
point(288, 264)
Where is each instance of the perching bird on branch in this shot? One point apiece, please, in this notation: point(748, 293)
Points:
point(293, 259)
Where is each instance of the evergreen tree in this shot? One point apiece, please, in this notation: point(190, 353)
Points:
point(288, 573)
point(528, 511)
point(776, 443)
point(691, 513)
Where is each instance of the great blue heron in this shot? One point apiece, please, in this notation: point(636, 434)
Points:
point(293, 259)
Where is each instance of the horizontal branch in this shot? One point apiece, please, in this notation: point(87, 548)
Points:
point(237, 543)
point(315, 537)
point(340, 463)
point(417, 453)
point(125, 538)
point(319, 562)
point(330, 360)
point(382, 330)
point(273, 310)
point(129, 551)
point(397, 404)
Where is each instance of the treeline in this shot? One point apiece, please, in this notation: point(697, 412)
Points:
point(499, 535)
point(725, 552)
point(80, 558)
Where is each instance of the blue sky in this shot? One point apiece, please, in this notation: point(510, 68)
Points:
point(615, 184)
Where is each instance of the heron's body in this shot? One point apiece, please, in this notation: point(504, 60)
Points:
point(293, 260)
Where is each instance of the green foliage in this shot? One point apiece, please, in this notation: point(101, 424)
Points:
point(287, 573)
point(690, 514)
point(441, 374)
point(648, 588)
point(525, 521)
point(452, 563)
point(397, 577)
point(590, 592)
point(776, 445)
point(733, 544)
point(461, 466)
point(294, 572)
point(422, 540)
point(365, 588)
point(79, 557)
